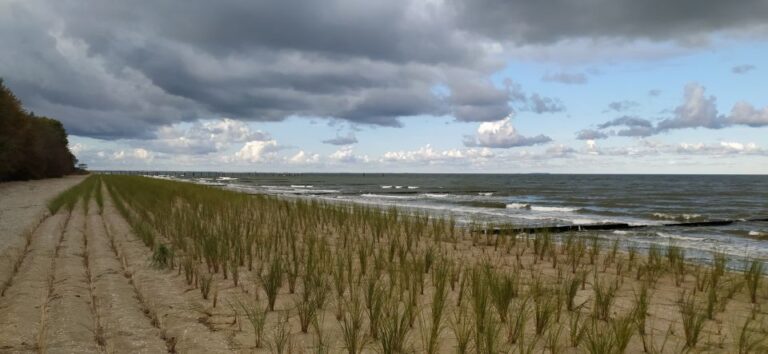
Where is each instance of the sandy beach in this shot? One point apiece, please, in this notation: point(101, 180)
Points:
point(89, 280)
point(23, 205)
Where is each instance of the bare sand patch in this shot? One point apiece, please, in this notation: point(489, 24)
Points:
point(23, 205)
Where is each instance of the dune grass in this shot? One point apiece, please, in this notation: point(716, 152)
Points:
point(68, 198)
point(399, 281)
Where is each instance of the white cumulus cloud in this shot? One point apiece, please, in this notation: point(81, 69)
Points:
point(428, 154)
point(502, 134)
point(205, 137)
point(258, 151)
point(346, 155)
point(302, 157)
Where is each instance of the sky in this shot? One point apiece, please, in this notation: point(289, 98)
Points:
point(435, 86)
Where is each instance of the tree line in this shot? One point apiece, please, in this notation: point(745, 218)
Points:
point(31, 147)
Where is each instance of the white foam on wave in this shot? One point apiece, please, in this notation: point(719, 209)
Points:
point(586, 221)
point(518, 206)
point(435, 195)
point(301, 186)
point(527, 206)
point(386, 187)
point(758, 233)
point(385, 196)
point(558, 209)
point(225, 178)
point(485, 194)
point(398, 187)
point(323, 191)
point(413, 187)
point(685, 217)
point(677, 237)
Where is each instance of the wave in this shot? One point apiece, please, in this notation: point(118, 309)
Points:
point(588, 221)
point(678, 237)
point(560, 209)
point(526, 206)
point(483, 204)
point(485, 194)
point(519, 206)
point(324, 191)
point(758, 234)
point(301, 186)
point(413, 187)
point(386, 187)
point(385, 196)
point(435, 195)
point(677, 217)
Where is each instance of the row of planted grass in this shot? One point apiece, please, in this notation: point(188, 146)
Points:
point(81, 191)
point(403, 283)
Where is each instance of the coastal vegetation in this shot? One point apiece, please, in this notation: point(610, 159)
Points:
point(31, 147)
point(301, 275)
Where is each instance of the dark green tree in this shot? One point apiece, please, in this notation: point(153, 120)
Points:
point(31, 147)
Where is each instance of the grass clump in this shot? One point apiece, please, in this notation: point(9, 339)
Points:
point(394, 329)
point(351, 322)
point(604, 295)
point(461, 326)
point(753, 275)
point(503, 288)
point(272, 280)
point(693, 319)
point(162, 257)
point(257, 317)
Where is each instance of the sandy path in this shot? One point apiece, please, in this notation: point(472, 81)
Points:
point(23, 205)
point(179, 312)
point(22, 306)
point(126, 327)
point(70, 319)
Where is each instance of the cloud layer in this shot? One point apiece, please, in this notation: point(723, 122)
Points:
point(122, 70)
point(698, 110)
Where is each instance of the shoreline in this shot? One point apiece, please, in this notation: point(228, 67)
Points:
point(737, 258)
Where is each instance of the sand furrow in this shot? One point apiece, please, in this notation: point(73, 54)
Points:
point(178, 311)
point(70, 325)
point(22, 206)
point(22, 306)
point(127, 329)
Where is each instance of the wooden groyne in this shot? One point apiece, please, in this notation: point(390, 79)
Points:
point(614, 226)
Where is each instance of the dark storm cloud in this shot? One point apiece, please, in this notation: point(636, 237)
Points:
point(127, 68)
point(123, 69)
point(554, 20)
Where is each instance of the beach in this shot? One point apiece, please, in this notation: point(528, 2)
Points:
point(23, 205)
point(132, 264)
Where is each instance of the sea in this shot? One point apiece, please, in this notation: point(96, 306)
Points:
point(534, 200)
